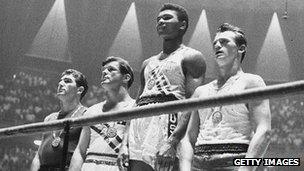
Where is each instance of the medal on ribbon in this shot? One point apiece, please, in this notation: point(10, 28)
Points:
point(103, 129)
point(111, 132)
point(151, 83)
point(217, 117)
point(56, 142)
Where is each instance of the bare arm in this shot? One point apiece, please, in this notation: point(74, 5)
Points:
point(35, 163)
point(123, 156)
point(194, 69)
point(261, 117)
point(142, 78)
point(126, 134)
point(166, 155)
point(188, 142)
point(80, 151)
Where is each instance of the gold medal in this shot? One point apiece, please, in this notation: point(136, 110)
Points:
point(151, 83)
point(56, 142)
point(217, 117)
point(111, 132)
point(103, 129)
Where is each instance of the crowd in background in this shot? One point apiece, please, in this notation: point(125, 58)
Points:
point(287, 123)
point(25, 98)
point(28, 98)
point(16, 158)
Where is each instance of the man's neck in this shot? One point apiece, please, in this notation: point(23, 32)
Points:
point(114, 96)
point(171, 45)
point(67, 106)
point(226, 74)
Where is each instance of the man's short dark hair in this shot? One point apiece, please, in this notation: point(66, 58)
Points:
point(240, 38)
point(181, 12)
point(124, 67)
point(80, 80)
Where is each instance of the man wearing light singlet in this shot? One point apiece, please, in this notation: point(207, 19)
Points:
point(172, 74)
point(217, 135)
point(71, 89)
point(99, 145)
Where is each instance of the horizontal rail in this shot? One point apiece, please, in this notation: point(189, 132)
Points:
point(246, 96)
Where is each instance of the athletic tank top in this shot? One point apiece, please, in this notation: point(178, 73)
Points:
point(225, 124)
point(104, 145)
point(166, 76)
point(48, 155)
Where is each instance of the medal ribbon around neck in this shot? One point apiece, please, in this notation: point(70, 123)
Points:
point(57, 139)
point(216, 112)
point(216, 115)
point(230, 81)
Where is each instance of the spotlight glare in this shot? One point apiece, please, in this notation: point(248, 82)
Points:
point(273, 61)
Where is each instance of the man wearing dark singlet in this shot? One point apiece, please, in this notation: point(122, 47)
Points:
point(71, 89)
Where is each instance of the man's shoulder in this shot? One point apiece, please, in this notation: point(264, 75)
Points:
point(193, 57)
point(131, 103)
point(97, 105)
point(96, 108)
point(80, 111)
point(253, 80)
point(146, 61)
point(203, 89)
point(191, 49)
point(194, 61)
point(191, 52)
point(51, 117)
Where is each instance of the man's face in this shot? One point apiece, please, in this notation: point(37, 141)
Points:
point(168, 25)
point(225, 48)
point(67, 87)
point(111, 76)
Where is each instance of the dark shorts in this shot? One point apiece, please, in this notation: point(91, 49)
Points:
point(218, 156)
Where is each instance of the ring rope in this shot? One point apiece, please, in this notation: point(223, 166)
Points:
point(245, 96)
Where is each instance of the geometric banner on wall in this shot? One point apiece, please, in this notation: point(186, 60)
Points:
point(127, 43)
point(273, 61)
point(201, 40)
point(51, 41)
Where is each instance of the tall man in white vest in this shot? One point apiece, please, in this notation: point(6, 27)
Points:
point(217, 135)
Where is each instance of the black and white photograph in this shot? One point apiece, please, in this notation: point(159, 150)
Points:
point(151, 85)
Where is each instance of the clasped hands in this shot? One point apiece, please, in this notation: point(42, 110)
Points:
point(165, 158)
